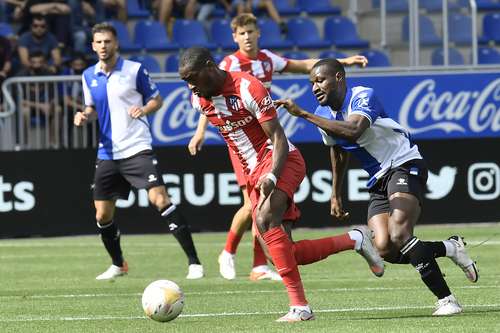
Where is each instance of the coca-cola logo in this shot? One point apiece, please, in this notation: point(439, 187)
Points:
point(463, 111)
point(177, 120)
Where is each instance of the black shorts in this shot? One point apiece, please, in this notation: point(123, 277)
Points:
point(409, 177)
point(114, 178)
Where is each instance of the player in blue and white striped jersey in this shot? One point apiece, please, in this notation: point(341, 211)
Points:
point(352, 120)
point(121, 93)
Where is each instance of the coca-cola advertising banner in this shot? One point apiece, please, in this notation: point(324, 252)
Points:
point(431, 105)
point(48, 193)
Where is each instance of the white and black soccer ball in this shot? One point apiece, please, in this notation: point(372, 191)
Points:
point(162, 300)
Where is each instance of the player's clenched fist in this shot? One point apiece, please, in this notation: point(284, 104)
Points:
point(80, 118)
point(136, 112)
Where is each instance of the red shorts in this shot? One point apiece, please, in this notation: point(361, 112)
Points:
point(289, 181)
point(238, 169)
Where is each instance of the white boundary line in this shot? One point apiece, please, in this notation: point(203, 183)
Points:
point(233, 314)
point(236, 292)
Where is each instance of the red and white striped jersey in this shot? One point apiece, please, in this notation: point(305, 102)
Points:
point(262, 67)
point(237, 112)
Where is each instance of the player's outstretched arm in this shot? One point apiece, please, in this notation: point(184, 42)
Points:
point(198, 138)
point(339, 160)
point(356, 60)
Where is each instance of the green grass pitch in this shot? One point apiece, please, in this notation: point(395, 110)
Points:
point(48, 285)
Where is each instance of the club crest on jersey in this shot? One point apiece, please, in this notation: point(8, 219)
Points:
point(234, 103)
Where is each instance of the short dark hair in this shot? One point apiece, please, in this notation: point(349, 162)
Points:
point(103, 27)
point(242, 20)
point(195, 58)
point(38, 17)
point(332, 64)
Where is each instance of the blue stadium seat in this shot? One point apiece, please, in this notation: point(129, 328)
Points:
point(459, 28)
point(218, 57)
point(190, 33)
point(285, 7)
point(222, 34)
point(436, 5)
point(296, 55)
point(6, 29)
point(270, 35)
point(482, 4)
point(392, 5)
point(172, 63)
point(491, 27)
point(147, 61)
point(126, 44)
point(341, 32)
point(136, 9)
point(376, 58)
point(455, 57)
point(304, 33)
point(427, 32)
point(318, 7)
point(332, 54)
point(488, 55)
point(152, 35)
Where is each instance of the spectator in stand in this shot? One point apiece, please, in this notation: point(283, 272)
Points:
point(7, 9)
point(5, 62)
point(205, 8)
point(73, 93)
point(42, 40)
point(38, 101)
point(84, 14)
point(57, 13)
point(248, 6)
point(174, 8)
point(118, 8)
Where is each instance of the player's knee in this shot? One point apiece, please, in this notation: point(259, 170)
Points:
point(103, 217)
point(399, 237)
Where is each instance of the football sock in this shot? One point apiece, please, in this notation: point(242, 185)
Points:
point(280, 249)
point(309, 251)
point(438, 248)
point(110, 235)
point(232, 242)
point(259, 257)
point(180, 229)
point(422, 258)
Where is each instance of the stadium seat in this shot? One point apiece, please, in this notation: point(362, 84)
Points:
point(341, 32)
point(392, 5)
point(218, 57)
point(222, 34)
point(482, 4)
point(152, 35)
point(285, 7)
point(455, 57)
point(376, 58)
point(189, 33)
point(304, 33)
point(136, 9)
point(491, 27)
point(172, 63)
point(147, 61)
point(459, 28)
point(488, 55)
point(296, 55)
point(270, 36)
point(332, 54)
point(6, 29)
point(126, 44)
point(427, 31)
point(318, 7)
point(436, 5)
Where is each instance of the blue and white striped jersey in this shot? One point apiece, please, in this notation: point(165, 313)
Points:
point(112, 95)
point(384, 145)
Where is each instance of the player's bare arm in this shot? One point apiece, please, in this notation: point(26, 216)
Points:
point(198, 138)
point(350, 129)
point(87, 114)
point(151, 106)
point(275, 132)
point(355, 60)
point(339, 160)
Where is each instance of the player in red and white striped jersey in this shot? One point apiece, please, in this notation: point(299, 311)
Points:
point(244, 113)
point(260, 63)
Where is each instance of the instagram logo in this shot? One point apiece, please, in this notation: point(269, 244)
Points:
point(483, 181)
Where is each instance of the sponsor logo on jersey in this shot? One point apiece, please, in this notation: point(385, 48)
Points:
point(233, 125)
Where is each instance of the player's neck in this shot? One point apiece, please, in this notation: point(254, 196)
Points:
point(250, 54)
point(108, 65)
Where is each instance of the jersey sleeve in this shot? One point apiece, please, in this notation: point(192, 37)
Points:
point(366, 104)
point(87, 96)
point(145, 85)
point(279, 62)
point(225, 64)
point(257, 100)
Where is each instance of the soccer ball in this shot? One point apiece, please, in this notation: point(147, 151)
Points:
point(162, 300)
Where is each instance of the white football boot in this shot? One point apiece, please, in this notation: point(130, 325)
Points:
point(195, 271)
point(462, 259)
point(264, 272)
point(226, 265)
point(447, 306)
point(296, 315)
point(369, 252)
point(113, 271)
